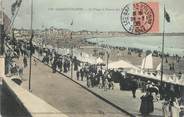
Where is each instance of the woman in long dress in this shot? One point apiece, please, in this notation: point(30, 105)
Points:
point(144, 110)
point(100, 85)
point(165, 109)
point(150, 103)
point(106, 84)
point(175, 108)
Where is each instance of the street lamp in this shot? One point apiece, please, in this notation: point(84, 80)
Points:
point(31, 46)
point(107, 52)
point(71, 57)
point(2, 39)
point(2, 30)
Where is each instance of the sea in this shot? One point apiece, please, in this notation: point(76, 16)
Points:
point(172, 44)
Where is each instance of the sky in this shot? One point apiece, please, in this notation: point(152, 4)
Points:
point(100, 15)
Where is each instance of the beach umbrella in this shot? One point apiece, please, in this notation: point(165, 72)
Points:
point(158, 76)
point(99, 61)
point(49, 46)
point(91, 60)
point(175, 78)
point(182, 79)
point(170, 79)
point(182, 76)
point(158, 67)
point(166, 78)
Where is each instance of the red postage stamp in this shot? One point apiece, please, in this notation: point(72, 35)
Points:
point(140, 17)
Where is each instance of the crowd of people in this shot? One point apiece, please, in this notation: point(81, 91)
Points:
point(93, 74)
point(96, 76)
point(172, 102)
point(11, 68)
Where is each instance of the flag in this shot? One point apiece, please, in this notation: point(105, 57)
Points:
point(15, 5)
point(19, 3)
point(13, 8)
point(166, 15)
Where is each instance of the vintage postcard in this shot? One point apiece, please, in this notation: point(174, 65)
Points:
point(91, 58)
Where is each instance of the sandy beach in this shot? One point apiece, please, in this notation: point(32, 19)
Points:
point(116, 54)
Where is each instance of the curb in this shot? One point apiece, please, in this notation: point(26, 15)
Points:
point(97, 95)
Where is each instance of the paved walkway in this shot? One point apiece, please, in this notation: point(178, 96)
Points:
point(122, 99)
point(65, 95)
point(43, 78)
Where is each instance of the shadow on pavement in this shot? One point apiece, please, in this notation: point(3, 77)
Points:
point(9, 107)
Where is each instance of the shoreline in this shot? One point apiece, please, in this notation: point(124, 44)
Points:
point(155, 44)
point(131, 55)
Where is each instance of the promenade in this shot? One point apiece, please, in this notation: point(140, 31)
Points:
point(72, 99)
point(65, 95)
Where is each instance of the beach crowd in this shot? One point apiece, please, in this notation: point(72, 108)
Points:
point(96, 76)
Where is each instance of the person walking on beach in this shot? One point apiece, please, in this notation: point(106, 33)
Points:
point(21, 71)
point(150, 103)
point(111, 84)
point(146, 104)
point(173, 68)
point(77, 74)
point(68, 64)
point(165, 108)
point(100, 85)
point(89, 80)
point(175, 108)
point(25, 61)
point(75, 62)
point(65, 67)
point(34, 61)
point(134, 87)
point(82, 74)
point(106, 84)
point(54, 65)
point(60, 65)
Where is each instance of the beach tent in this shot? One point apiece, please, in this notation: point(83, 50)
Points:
point(167, 78)
point(90, 60)
point(175, 78)
point(56, 49)
point(99, 61)
point(84, 57)
point(182, 79)
point(158, 67)
point(182, 76)
point(64, 51)
point(170, 79)
point(121, 64)
point(49, 46)
point(85, 54)
point(76, 53)
point(147, 62)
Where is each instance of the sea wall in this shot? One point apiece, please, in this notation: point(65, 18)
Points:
point(18, 102)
